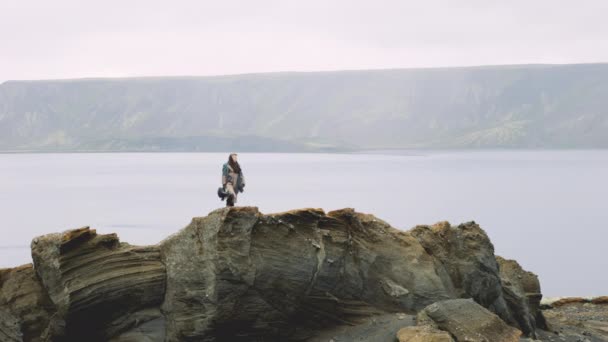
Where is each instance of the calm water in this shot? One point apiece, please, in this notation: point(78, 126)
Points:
point(547, 209)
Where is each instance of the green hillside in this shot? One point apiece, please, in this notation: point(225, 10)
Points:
point(529, 106)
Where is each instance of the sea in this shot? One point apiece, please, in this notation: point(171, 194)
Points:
point(547, 209)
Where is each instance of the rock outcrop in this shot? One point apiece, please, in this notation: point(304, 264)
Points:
point(521, 290)
point(240, 275)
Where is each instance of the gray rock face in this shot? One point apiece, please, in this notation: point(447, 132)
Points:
point(465, 258)
point(240, 275)
point(9, 327)
point(521, 290)
point(466, 254)
point(208, 273)
point(467, 321)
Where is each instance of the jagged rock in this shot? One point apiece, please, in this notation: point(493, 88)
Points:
point(97, 284)
point(467, 321)
point(466, 263)
point(22, 294)
point(423, 334)
point(240, 275)
point(521, 290)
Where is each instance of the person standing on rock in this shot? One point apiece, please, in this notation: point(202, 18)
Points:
point(233, 180)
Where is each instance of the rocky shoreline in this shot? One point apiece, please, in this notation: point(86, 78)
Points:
point(302, 275)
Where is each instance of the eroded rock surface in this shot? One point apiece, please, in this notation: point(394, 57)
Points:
point(423, 334)
point(465, 257)
point(467, 321)
point(240, 275)
point(98, 285)
point(23, 295)
point(521, 290)
point(9, 327)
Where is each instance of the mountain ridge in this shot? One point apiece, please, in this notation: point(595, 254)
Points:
point(509, 106)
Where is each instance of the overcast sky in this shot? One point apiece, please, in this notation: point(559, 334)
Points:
point(77, 38)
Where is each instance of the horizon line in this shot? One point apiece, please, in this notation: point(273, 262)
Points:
point(481, 66)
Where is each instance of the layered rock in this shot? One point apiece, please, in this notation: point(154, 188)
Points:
point(99, 287)
point(239, 275)
point(304, 266)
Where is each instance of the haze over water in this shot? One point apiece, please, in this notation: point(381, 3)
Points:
point(546, 209)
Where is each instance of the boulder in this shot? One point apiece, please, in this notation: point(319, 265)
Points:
point(467, 321)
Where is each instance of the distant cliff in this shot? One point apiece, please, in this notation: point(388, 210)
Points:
point(528, 106)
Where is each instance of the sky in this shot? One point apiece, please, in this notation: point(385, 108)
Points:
point(74, 38)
